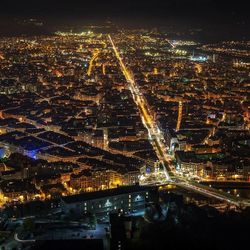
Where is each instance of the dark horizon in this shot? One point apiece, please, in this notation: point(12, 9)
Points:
point(221, 17)
point(106, 8)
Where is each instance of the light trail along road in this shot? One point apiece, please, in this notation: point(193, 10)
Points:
point(156, 137)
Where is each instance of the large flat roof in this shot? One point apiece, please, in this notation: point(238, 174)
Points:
point(104, 193)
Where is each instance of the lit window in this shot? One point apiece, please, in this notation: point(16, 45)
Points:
point(138, 197)
point(108, 203)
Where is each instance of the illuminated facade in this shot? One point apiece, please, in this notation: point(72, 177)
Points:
point(100, 180)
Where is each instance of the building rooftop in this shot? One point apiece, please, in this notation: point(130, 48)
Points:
point(105, 193)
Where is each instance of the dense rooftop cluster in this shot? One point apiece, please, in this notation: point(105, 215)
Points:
point(66, 105)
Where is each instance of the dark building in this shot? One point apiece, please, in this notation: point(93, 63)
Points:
point(89, 244)
point(127, 199)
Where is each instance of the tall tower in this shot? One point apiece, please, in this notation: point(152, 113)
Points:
point(105, 139)
point(179, 116)
point(103, 69)
point(214, 58)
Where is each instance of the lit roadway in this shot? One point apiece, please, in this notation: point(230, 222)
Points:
point(95, 55)
point(156, 137)
point(23, 241)
point(153, 130)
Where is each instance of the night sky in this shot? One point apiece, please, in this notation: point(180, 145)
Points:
point(125, 7)
point(229, 15)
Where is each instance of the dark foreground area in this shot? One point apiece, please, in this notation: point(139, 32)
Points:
point(172, 221)
point(188, 226)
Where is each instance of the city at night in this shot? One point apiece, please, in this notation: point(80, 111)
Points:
point(124, 125)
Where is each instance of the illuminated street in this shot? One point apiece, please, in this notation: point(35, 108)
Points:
point(159, 146)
